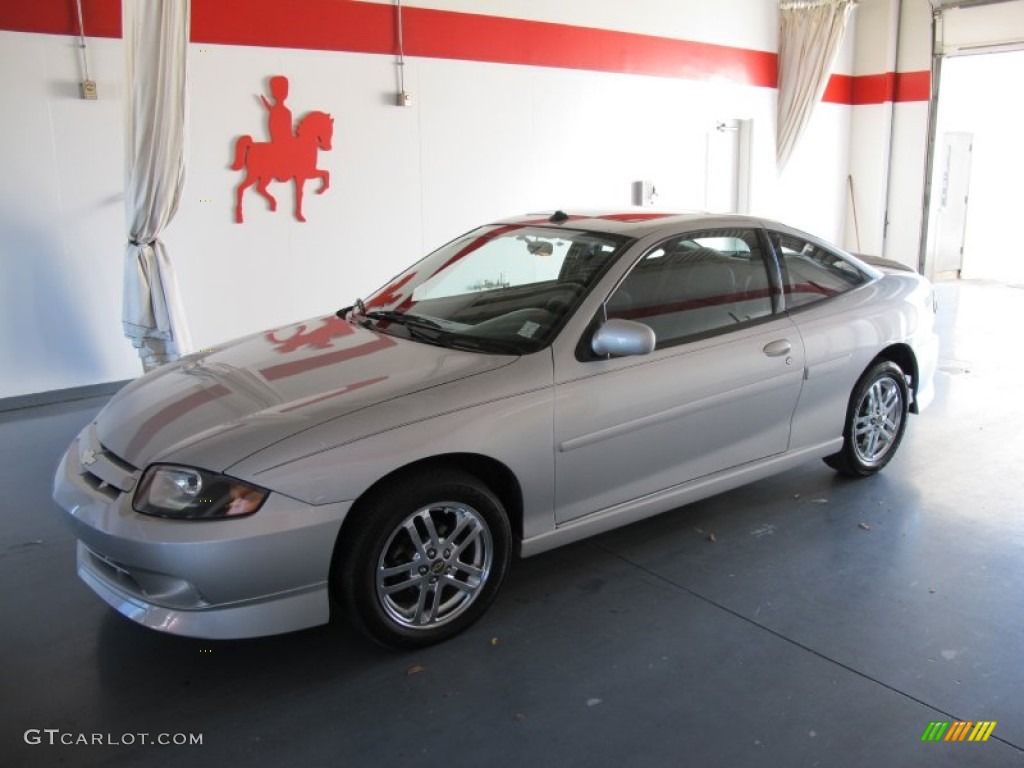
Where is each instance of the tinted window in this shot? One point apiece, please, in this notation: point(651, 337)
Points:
point(812, 273)
point(694, 285)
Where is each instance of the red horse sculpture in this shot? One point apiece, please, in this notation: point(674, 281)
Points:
point(294, 159)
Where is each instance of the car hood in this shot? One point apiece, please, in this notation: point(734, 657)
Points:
point(221, 405)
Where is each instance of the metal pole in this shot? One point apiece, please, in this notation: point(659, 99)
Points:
point(929, 166)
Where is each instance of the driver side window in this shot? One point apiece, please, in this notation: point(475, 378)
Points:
point(696, 285)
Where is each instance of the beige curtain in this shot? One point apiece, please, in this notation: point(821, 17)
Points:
point(810, 33)
point(155, 44)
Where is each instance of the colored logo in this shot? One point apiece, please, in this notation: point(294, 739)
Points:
point(959, 730)
point(288, 154)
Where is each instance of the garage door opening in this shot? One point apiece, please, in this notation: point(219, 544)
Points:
point(977, 167)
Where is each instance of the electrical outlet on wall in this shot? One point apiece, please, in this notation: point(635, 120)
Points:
point(404, 99)
point(89, 90)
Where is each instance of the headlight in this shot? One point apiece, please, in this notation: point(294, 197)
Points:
point(194, 494)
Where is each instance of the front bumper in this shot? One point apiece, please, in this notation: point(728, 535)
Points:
point(245, 577)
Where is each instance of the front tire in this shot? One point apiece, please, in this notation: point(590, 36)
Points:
point(424, 558)
point(876, 420)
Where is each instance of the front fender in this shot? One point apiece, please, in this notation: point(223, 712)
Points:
point(504, 421)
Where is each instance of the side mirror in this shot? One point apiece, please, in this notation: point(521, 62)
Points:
point(623, 338)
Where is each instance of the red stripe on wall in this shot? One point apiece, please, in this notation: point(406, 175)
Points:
point(839, 90)
point(59, 17)
point(348, 25)
point(874, 89)
point(913, 86)
point(326, 25)
point(878, 89)
point(442, 34)
point(370, 28)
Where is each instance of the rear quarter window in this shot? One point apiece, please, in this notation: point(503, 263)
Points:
point(812, 273)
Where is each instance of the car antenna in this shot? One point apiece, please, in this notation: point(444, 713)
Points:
point(558, 217)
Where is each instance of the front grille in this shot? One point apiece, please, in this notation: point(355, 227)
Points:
point(101, 469)
point(97, 484)
point(117, 460)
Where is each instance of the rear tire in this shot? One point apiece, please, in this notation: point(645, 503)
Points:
point(876, 420)
point(423, 559)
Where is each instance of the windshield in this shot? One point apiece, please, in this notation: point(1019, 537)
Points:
point(505, 289)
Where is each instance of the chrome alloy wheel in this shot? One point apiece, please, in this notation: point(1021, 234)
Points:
point(434, 565)
point(876, 426)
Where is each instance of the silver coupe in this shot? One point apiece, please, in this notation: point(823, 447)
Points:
point(533, 382)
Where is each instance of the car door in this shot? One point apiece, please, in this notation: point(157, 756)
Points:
point(718, 391)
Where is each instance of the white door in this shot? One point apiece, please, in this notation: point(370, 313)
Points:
point(726, 178)
point(951, 211)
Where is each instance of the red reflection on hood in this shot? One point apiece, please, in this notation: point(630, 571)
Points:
point(319, 338)
point(177, 409)
point(171, 413)
point(283, 370)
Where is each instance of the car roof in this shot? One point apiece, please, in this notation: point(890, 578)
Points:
point(637, 222)
point(640, 222)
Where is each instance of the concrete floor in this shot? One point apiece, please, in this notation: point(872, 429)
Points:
point(828, 623)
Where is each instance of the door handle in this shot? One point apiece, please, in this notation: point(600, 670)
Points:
point(778, 348)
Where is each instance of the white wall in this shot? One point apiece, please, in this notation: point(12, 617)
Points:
point(906, 182)
point(481, 141)
point(888, 140)
point(875, 27)
point(812, 188)
point(909, 140)
point(61, 217)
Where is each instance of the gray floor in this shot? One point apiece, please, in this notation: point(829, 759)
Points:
point(827, 623)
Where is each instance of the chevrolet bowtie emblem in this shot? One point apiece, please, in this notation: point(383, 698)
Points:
point(88, 457)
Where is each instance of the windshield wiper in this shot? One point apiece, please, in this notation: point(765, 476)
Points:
point(481, 344)
point(422, 328)
point(358, 311)
point(401, 318)
point(431, 331)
